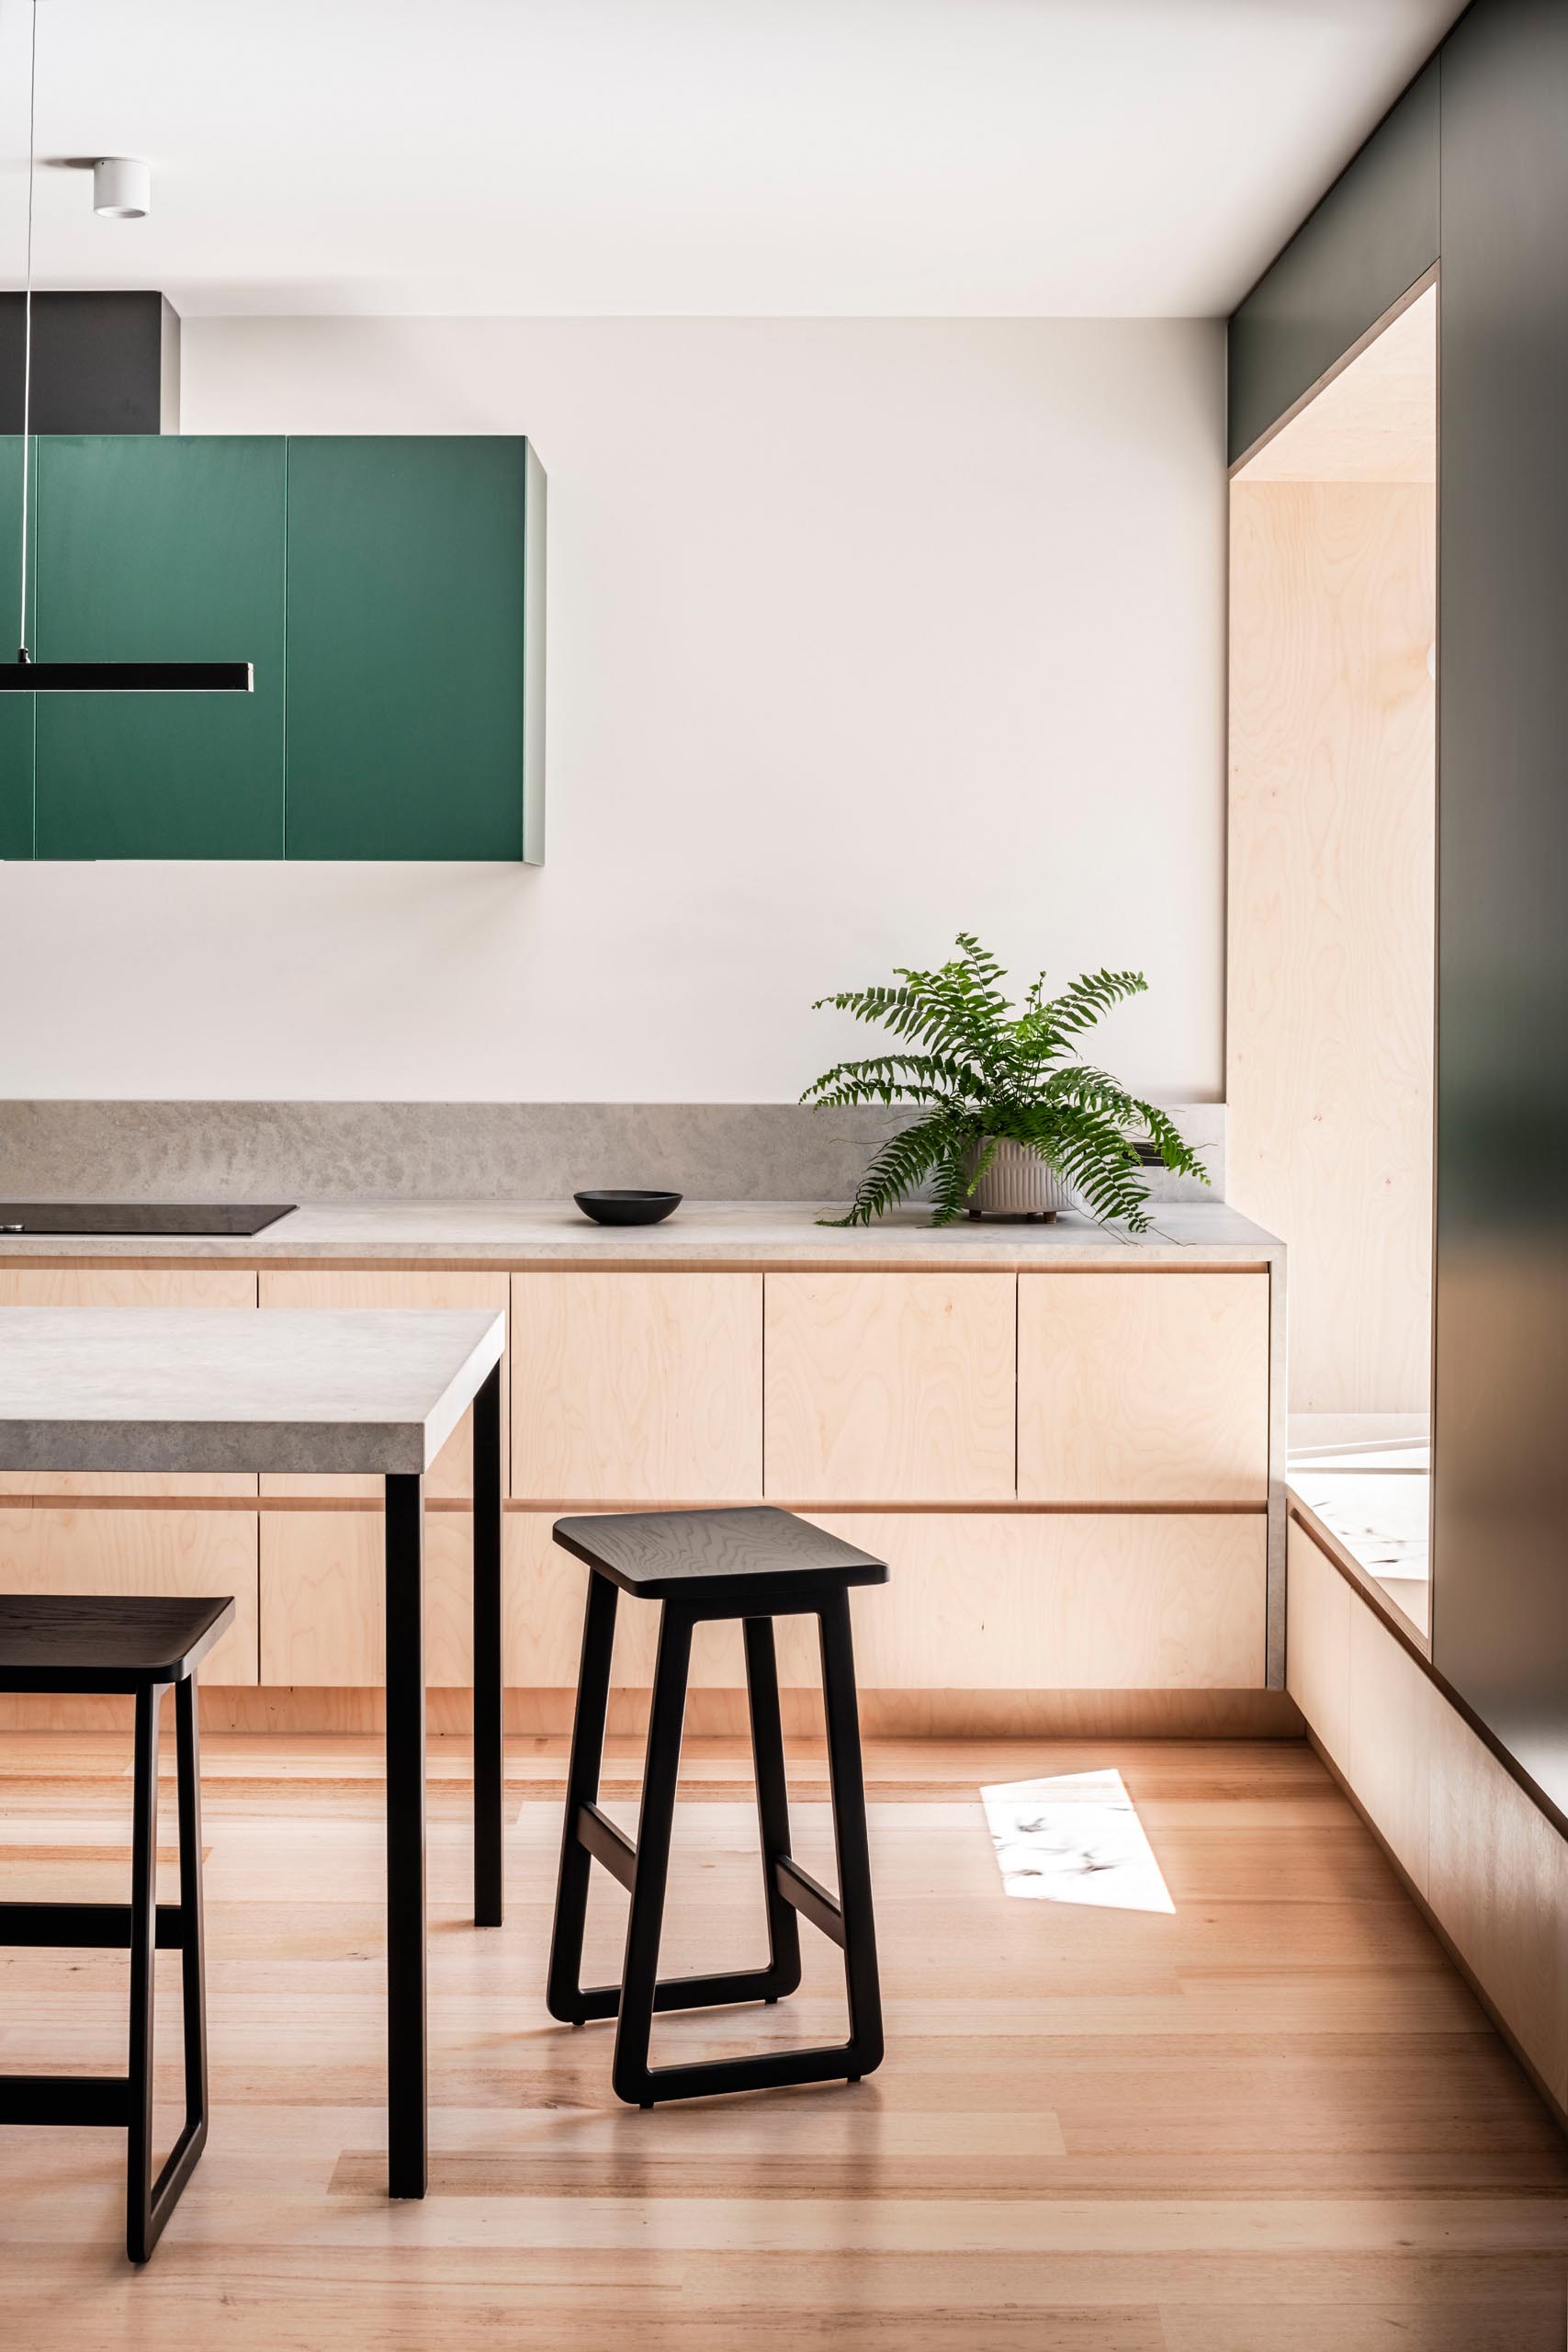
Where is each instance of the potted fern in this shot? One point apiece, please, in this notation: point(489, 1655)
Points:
point(1009, 1117)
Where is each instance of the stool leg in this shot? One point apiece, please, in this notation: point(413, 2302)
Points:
point(639, 1976)
point(193, 1960)
point(845, 1769)
point(773, 1803)
point(407, 2047)
point(138, 2232)
point(563, 1995)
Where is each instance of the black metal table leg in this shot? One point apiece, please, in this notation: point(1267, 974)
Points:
point(490, 1670)
point(564, 1991)
point(143, 1942)
point(407, 2159)
point(639, 1976)
point(866, 2047)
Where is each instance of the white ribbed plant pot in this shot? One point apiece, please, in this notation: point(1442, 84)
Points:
point(1017, 1183)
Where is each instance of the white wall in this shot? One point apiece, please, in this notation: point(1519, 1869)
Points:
point(860, 633)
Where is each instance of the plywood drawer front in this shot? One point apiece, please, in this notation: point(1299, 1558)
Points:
point(546, 1593)
point(1317, 1643)
point(634, 1387)
point(1143, 1388)
point(1052, 1600)
point(451, 1475)
point(890, 1388)
point(202, 1553)
point(322, 1598)
point(126, 1287)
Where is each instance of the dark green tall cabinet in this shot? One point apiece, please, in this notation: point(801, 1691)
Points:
point(390, 595)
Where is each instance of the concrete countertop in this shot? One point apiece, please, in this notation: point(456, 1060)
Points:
point(705, 1232)
point(324, 1390)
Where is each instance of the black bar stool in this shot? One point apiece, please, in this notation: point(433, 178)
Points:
point(756, 1566)
point(66, 1643)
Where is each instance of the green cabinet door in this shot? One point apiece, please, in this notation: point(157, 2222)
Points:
point(161, 547)
point(16, 710)
point(409, 640)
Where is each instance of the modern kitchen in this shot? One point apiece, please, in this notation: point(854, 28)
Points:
point(780, 1223)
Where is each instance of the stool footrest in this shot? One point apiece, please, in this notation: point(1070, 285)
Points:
point(65, 2099)
point(85, 1927)
point(803, 1893)
point(598, 1833)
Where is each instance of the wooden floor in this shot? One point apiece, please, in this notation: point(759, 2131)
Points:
point(1275, 2122)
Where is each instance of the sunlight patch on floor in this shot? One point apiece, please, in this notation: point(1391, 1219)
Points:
point(1075, 1837)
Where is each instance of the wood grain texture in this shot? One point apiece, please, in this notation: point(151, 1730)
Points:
point(890, 1388)
point(638, 1387)
point(127, 1286)
point(204, 1554)
point(1331, 923)
point(322, 1597)
point(1143, 1390)
point(451, 1475)
point(1274, 2120)
point(1388, 1756)
point(976, 1603)
point(1317, 1643)
point(1498, 1882)
point(1490, 1867)
point(717, 1706)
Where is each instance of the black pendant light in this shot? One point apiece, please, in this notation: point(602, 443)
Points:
point(26, 676)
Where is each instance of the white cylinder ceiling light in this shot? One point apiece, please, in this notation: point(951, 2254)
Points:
point(123, 188)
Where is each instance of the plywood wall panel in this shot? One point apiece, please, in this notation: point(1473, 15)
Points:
point(1331, 923)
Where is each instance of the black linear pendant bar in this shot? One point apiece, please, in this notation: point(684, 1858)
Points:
point(126, 677)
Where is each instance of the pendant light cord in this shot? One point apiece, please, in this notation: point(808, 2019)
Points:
point(27, 318)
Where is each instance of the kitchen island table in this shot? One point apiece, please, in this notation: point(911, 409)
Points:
point(374, 1391)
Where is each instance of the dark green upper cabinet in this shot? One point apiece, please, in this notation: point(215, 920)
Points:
point(161, 547)
point(415, 648)
point(16, 710)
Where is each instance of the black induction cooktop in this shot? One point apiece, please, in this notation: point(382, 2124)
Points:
point(136, 1216)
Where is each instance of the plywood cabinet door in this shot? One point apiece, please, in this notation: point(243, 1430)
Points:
point(637, 1387)
point(1143, 1387)
point(190, 1553)
point(451, 1474)
point(889, 1388)
point(232, 1286)
point(1051, 1600)
point(323, 1599)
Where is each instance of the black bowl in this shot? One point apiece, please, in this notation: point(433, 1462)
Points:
point(627, 1208)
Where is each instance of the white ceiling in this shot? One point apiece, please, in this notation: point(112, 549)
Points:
point(551, 157)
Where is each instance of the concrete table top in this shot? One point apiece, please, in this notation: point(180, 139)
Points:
point(367, 1390)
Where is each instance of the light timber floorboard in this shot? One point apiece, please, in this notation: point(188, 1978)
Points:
point(1273, 2121)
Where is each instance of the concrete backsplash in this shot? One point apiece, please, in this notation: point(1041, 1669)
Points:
point(473, 1151)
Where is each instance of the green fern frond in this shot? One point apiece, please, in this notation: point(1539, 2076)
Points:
point(984, 1073)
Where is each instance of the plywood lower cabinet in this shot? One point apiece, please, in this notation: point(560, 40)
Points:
point(322, 1598)
point(203, 1553)
point(1143, 1387)
point(232, 1286)
point(452, 1473)
point(630, 1387)
point(897, 1387)
point(1001, 1601)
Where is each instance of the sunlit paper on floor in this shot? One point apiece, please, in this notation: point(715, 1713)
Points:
point(1073, 1838)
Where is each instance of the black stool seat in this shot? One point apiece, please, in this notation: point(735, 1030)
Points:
point(754, 1564)
point(69, 1642)
point(86, 1641)
point(707, 1555)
